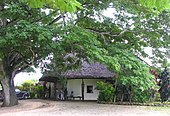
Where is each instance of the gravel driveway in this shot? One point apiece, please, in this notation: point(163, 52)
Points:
point(77, 108)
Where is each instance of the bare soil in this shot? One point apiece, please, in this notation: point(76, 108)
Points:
point(36, 107)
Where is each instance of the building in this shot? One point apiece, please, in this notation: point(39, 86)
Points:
point(81, 83)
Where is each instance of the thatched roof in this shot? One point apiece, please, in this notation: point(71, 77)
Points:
point(88, 71)
point(48, 78)
point(92, 70)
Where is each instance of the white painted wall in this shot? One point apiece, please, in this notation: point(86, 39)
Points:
point(94, 95)
point(75, 85)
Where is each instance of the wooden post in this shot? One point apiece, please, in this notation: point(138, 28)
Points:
point(55, 93)
point(116, 82)
point(49, 90)
point(82, 89)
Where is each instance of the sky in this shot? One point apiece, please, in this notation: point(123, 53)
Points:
point(23, 76)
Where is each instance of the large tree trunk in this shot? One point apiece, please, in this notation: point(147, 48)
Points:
point(10, 98)
point(7, 81)
point(9, 67)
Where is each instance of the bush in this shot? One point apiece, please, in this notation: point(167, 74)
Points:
point(106, 91)
point(35, 90)
point(32, 94)
point(140, 96)
point(39, 91)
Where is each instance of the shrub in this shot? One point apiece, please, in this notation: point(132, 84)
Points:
point(39, 91)
point(106, 91)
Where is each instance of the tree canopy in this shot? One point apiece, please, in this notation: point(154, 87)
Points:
point(63, 5)
point(159, 5)
point(26, 37)
point(119, 42)
point(131, 28)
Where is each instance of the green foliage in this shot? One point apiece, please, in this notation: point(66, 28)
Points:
point(141, 96)
point(35, 90)
point(146, 30)
point(147, 6)
point(27, 85)
point(24, 36)
point(106, 91)
point(27, 33)
point(38, 91)
point(63, 5)
point(32, 94)
point(159, 5)
point(136, 75)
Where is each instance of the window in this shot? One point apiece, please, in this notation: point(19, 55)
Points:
point(89, 89)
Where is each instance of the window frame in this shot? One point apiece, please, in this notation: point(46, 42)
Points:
point(88, 89)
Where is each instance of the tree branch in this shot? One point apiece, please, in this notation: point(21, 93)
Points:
point(33, 56)
point(13, 57)
point(143, 61)
point(12, 22)
point(23, 67)
point(78, 19)
point(16, 59)
point(31, 62)
point(44, 16)
point(107, 33)
point(55, 20)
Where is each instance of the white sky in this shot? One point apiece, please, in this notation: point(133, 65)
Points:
point(109, 12)
point(23, 76)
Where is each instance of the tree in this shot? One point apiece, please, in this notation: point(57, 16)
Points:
point(63, 5)
point(158, 5)
point(133, 26)
point(25, 38)
point(117, 42)
point(28, 34)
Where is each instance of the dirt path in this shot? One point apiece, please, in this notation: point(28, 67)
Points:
point(25, 105)
point(70, 108)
